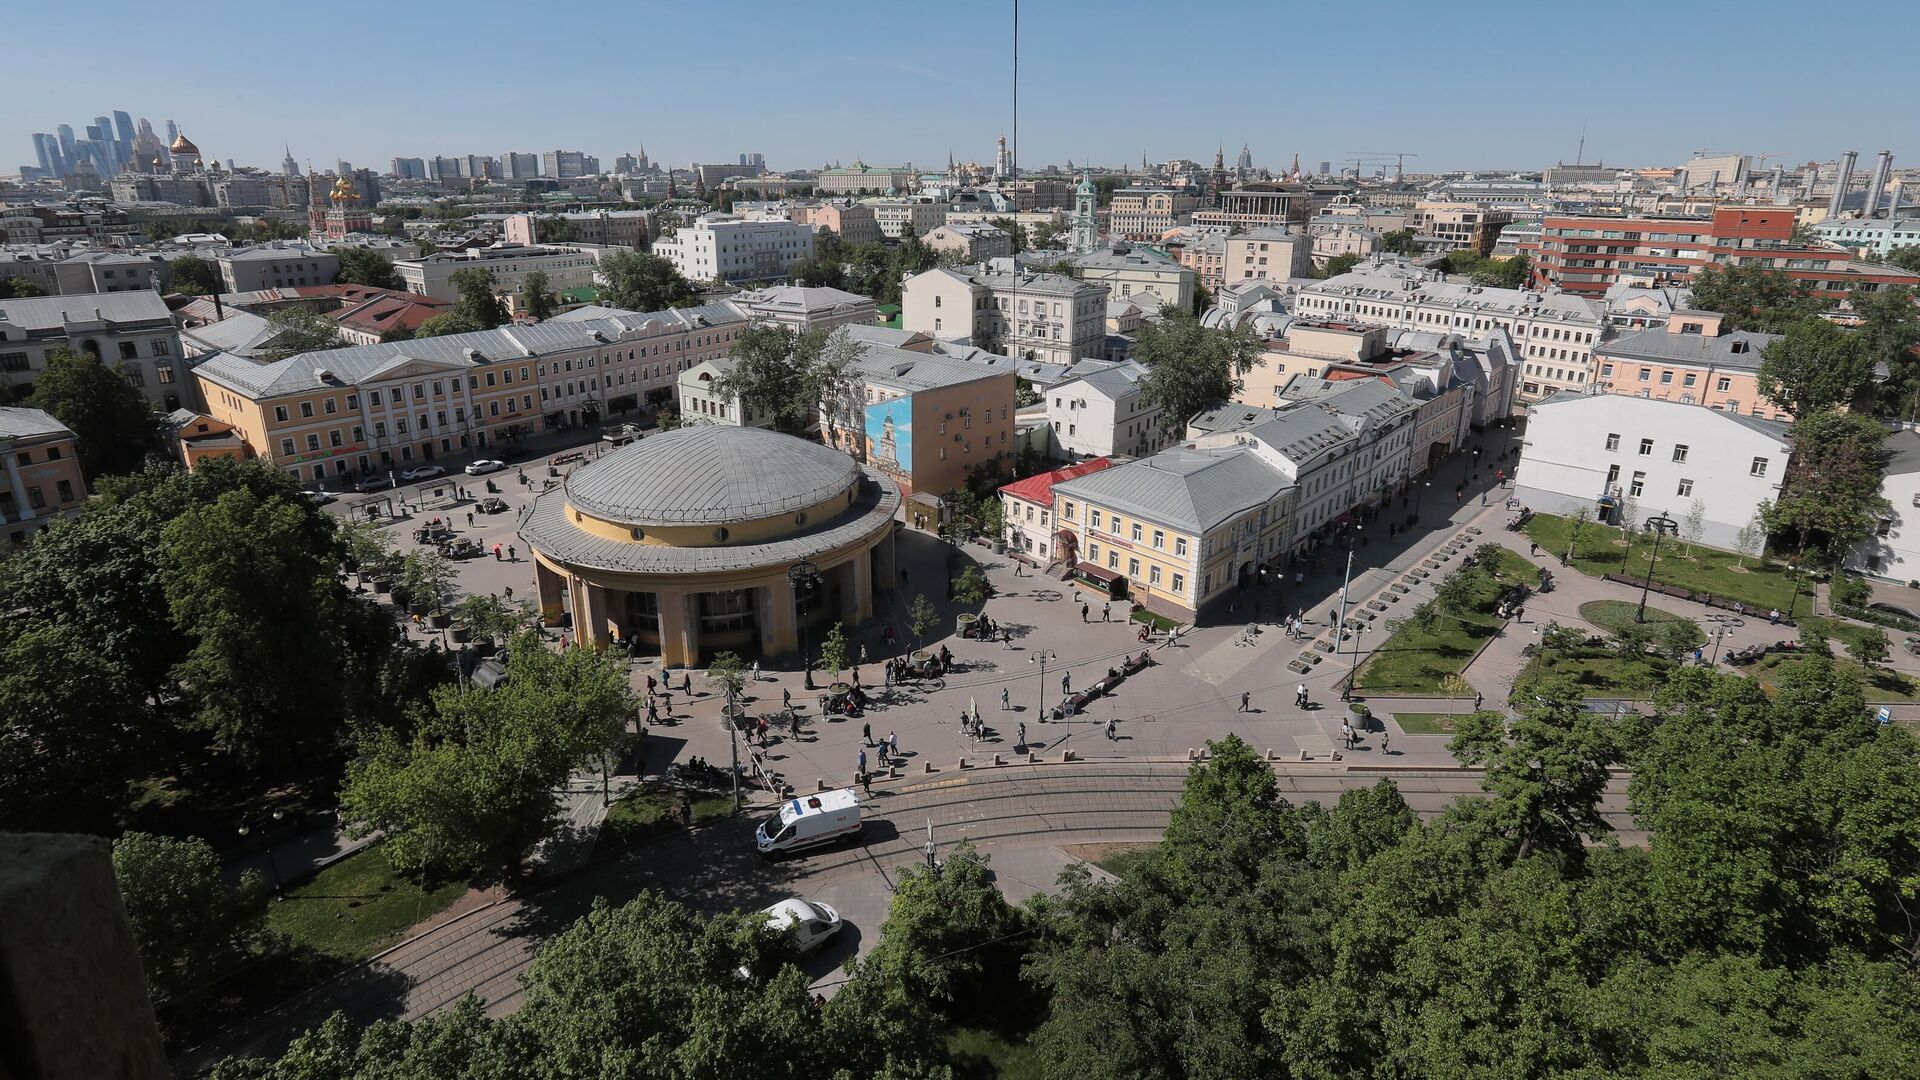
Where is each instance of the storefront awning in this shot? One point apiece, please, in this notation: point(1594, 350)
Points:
point(1094, 573)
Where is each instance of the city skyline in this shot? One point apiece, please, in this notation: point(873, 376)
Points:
point(950, 92)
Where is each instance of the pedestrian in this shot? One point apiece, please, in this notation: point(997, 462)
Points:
point(1477, 699)
point(1066, 683)
point(889, 675)
point(686, 683)
point(1774, 616)
point(1083, 612)
point(866, 734)
point(1333, 616)
point(651, 686)
point(686, 810)
point(856, 675)
point(469, 519)
point(1244, 696)
point(1533, 549)
point(653, 714)
point(508, 592)
point(863, 763)
point(1298, 578)
point(666, 700)
point(796, 725)
point(1023, 734)
point(1106, 612)
point(1006, 704)
point(866, 782)
point(496, 553)
point(1739, 607)
point(966, 720)
point(763, 731)
point(1006, 637)
point(1111, 725)
point(754, 672)
point(1384, 736)
point(786, 698)
point(1300, 696)
point(1346, 733)
point(893, 744)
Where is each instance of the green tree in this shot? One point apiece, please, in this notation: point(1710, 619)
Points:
point(1455, 687)
point(195, 276)
point(1753, 297)
point(542, 301)
point(1871, 649)
point(1545, 769)
point(970, 588)
point(427, 576)
point(640, 281)
point(1337, 265)
point(114, 426)
point(1906, 258)
point(453, 322)
point(70, 731)
point(1815, 366)
point(299, 330)
point(1046, 236)
point(188, 923)
point(948, 942)
point(922, 618)
point(1013, 229)
point(1192, 368)
point(785, 375)
point(481, 780)
point(834, 652)
point(1889, 332)
point(492, 618)
point(1398, 242)
point(1830, 494)
point(360, 266)
point(20, 288)
point(477, 304)
point(819, 272)
point(1457, 592)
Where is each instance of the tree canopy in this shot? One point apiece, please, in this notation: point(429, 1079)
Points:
point(1754, 297)
point(1191, 367)
point(299, 330)
point(542, 301)
point(1815, 366)
point(1830, 496)
point(785, 375)
point(188, 923)
point(360, 266)
point(641, 281)
point(195, 276)
point(477, 304)
point(113, 425)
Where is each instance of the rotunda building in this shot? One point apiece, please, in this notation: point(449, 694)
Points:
point(712, 538)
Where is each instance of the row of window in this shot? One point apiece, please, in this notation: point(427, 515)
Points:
point(36, 499)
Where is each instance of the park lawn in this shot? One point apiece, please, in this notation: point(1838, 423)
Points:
point(1600, 672)
point(1763, 586)
point(1880, 685)
point(357, 907)
point(654, 808)
point(1845, 635)
point(1154, 619)
point(1612, 615)
point(1416, 661)
point(1427, 723)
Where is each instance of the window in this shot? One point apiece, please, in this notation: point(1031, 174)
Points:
point(1613, 441)
point(1639, 485)
point(1179, 548)
point(1180, 583)
point(1686, 488)
point(66, 491)
point(1093, 553)
point(1646, 374)
point(286, 447)
point(1689, 379)
point(1680, 452)
point(1159, 540)
point(1646, 447)
point(128, 351)
point(1133, 568)
point(280, 413)
point(1666, 378)
point(1153, 575)
point(329, 407)
point(1758, 468)
point(1095, 518)
point(1723, 384)
point(1613, 475)
point(306, 409)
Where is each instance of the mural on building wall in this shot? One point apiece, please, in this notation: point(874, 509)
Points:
point(890, 436)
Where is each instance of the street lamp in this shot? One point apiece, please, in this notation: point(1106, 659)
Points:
point(1418, 495)
point(246, 828)
point(1041, 658)
point(1339, 631)
point(1793, 571)
point(804, 577)
point(1659, 525)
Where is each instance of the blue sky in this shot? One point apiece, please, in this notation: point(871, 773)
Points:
point(1463, 84)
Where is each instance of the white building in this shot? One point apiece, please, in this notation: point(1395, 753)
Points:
point(282, 264)
point(1596, 451)
point(1555, 332)
point(1870, 238)
point(1893, 553)
point(895, 216)
point(565, 267)
point(972, 241)
point(1097, 411)
point(1275, 251)
point(132, 332)
point(1044, 317)
point(801, 307)
point(1128, 273)
point(728, 248)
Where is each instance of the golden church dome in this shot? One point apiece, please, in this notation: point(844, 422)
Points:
point(183, 145)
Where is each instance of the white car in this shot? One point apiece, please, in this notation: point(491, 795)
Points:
point(424, 472)
point(319, 497)
point(812, 923)
point(485, 466)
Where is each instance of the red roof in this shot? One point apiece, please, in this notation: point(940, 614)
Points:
point(1039, 489)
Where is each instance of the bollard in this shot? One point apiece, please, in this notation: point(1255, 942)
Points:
point(929, 766)
point(1191, 754)
point(822, 783)
point(1270, 755)
point(1303, 756)
point(1066, 755)
point(998, 760)
point(962, 765)
point(893, 771)
point(1033, 757)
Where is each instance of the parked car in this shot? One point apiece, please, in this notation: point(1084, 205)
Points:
point(811, 922)
point(485, 466)
point(319, 497)
point(424, 472)
point(1889, 609)
point(376, 482)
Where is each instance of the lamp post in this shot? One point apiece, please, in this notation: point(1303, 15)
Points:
point(1722, 626)
point(1659, 525)
point(804, 577)
point(246, 829)
point(1419, 494)
point(1339, 632)
point(1041, 658)
point(1793, 571)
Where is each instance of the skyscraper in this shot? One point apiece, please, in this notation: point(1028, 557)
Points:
point(67, 143)
point(288, 166)
point(47, 149)
point(123, 135)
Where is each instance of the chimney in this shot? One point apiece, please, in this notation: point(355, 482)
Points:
point(219, 312)
point(1893, 200)
point(1882, 168)
point(1840, 184)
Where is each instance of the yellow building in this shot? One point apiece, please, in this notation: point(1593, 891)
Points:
point(687, 543)
point(42, 479)
point(1178, 531)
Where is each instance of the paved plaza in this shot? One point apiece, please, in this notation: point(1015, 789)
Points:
point(1035, 812)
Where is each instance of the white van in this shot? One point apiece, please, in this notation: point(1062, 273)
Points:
point(809, 821)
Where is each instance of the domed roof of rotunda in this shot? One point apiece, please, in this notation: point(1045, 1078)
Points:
point(710, 475)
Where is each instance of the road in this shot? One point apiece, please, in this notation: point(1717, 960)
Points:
point(1025, 817)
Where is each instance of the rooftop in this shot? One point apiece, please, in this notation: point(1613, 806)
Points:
point(57, 312)
point(1192, 490)
point(29, 424)
point(1039, 489)
point(710, 475)
point(1736, 349)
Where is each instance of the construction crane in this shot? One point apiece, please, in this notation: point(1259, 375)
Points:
point(1398, 157)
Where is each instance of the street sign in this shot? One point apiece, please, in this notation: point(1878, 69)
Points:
point(1885, 716)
